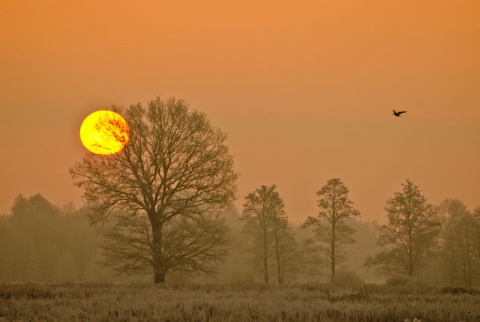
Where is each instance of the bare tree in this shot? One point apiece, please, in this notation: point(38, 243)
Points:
point(329, 225)
point(410, 234)
point(273, 240)
point(175, 169)
point(458, 241)
point(476, 233)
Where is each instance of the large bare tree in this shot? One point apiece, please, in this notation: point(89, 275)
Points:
point(330, 226)
point(174, 173)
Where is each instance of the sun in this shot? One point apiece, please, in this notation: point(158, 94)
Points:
point(104, 132)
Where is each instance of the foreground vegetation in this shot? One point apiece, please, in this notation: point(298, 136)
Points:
point(209, 302)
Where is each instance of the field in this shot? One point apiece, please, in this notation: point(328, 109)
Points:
point(209, 302)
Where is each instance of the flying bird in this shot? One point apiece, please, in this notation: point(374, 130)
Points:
point(398, 113)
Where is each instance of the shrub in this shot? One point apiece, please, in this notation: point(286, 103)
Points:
point(348, 279)
point(459, 290)
point(398, 280)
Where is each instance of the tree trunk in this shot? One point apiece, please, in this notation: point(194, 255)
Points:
point(279, 272)
point(410, 247)
point(478, 239)
point(159, 270)
point(265, 260)
point(159, 277)
point(277, 252)
point(332, 243)
point(467, 253)
point(265, 244)
point(332, 254)
point(333, 266)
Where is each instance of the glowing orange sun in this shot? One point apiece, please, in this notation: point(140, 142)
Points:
point(104, 132)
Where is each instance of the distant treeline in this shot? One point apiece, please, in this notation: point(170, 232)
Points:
point(40, 242)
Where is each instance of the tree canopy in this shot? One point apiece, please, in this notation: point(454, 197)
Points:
point(409, 235)
point(273, 242)
point(330, 226)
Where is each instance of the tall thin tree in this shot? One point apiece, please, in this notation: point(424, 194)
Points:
point(330, 226)
point(266, 224)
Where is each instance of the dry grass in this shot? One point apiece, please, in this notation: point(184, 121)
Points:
point(312, 302)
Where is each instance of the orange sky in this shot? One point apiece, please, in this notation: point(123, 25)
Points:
point(304, 89)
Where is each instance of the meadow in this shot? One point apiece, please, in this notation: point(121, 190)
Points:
point(218, 302)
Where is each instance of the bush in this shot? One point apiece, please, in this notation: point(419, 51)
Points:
point(459, 290)
point(348, 279)
point(398, 280)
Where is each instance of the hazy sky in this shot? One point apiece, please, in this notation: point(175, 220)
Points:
point(304, 89)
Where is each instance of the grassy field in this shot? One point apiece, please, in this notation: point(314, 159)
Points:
point(311, 302)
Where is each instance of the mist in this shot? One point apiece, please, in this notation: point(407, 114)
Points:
point(41, 242)
point(266, 177)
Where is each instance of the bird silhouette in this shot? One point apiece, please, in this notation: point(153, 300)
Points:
point(398, 113)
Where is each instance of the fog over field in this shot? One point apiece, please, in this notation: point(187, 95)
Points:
point(304, 91)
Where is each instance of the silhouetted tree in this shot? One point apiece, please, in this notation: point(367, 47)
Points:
point(458, 241)
point(329, 226)
point(409, 236)
point(476, 233)
point(45, 243)
point(36, 221)
point(273, 240)
point(175, 170)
